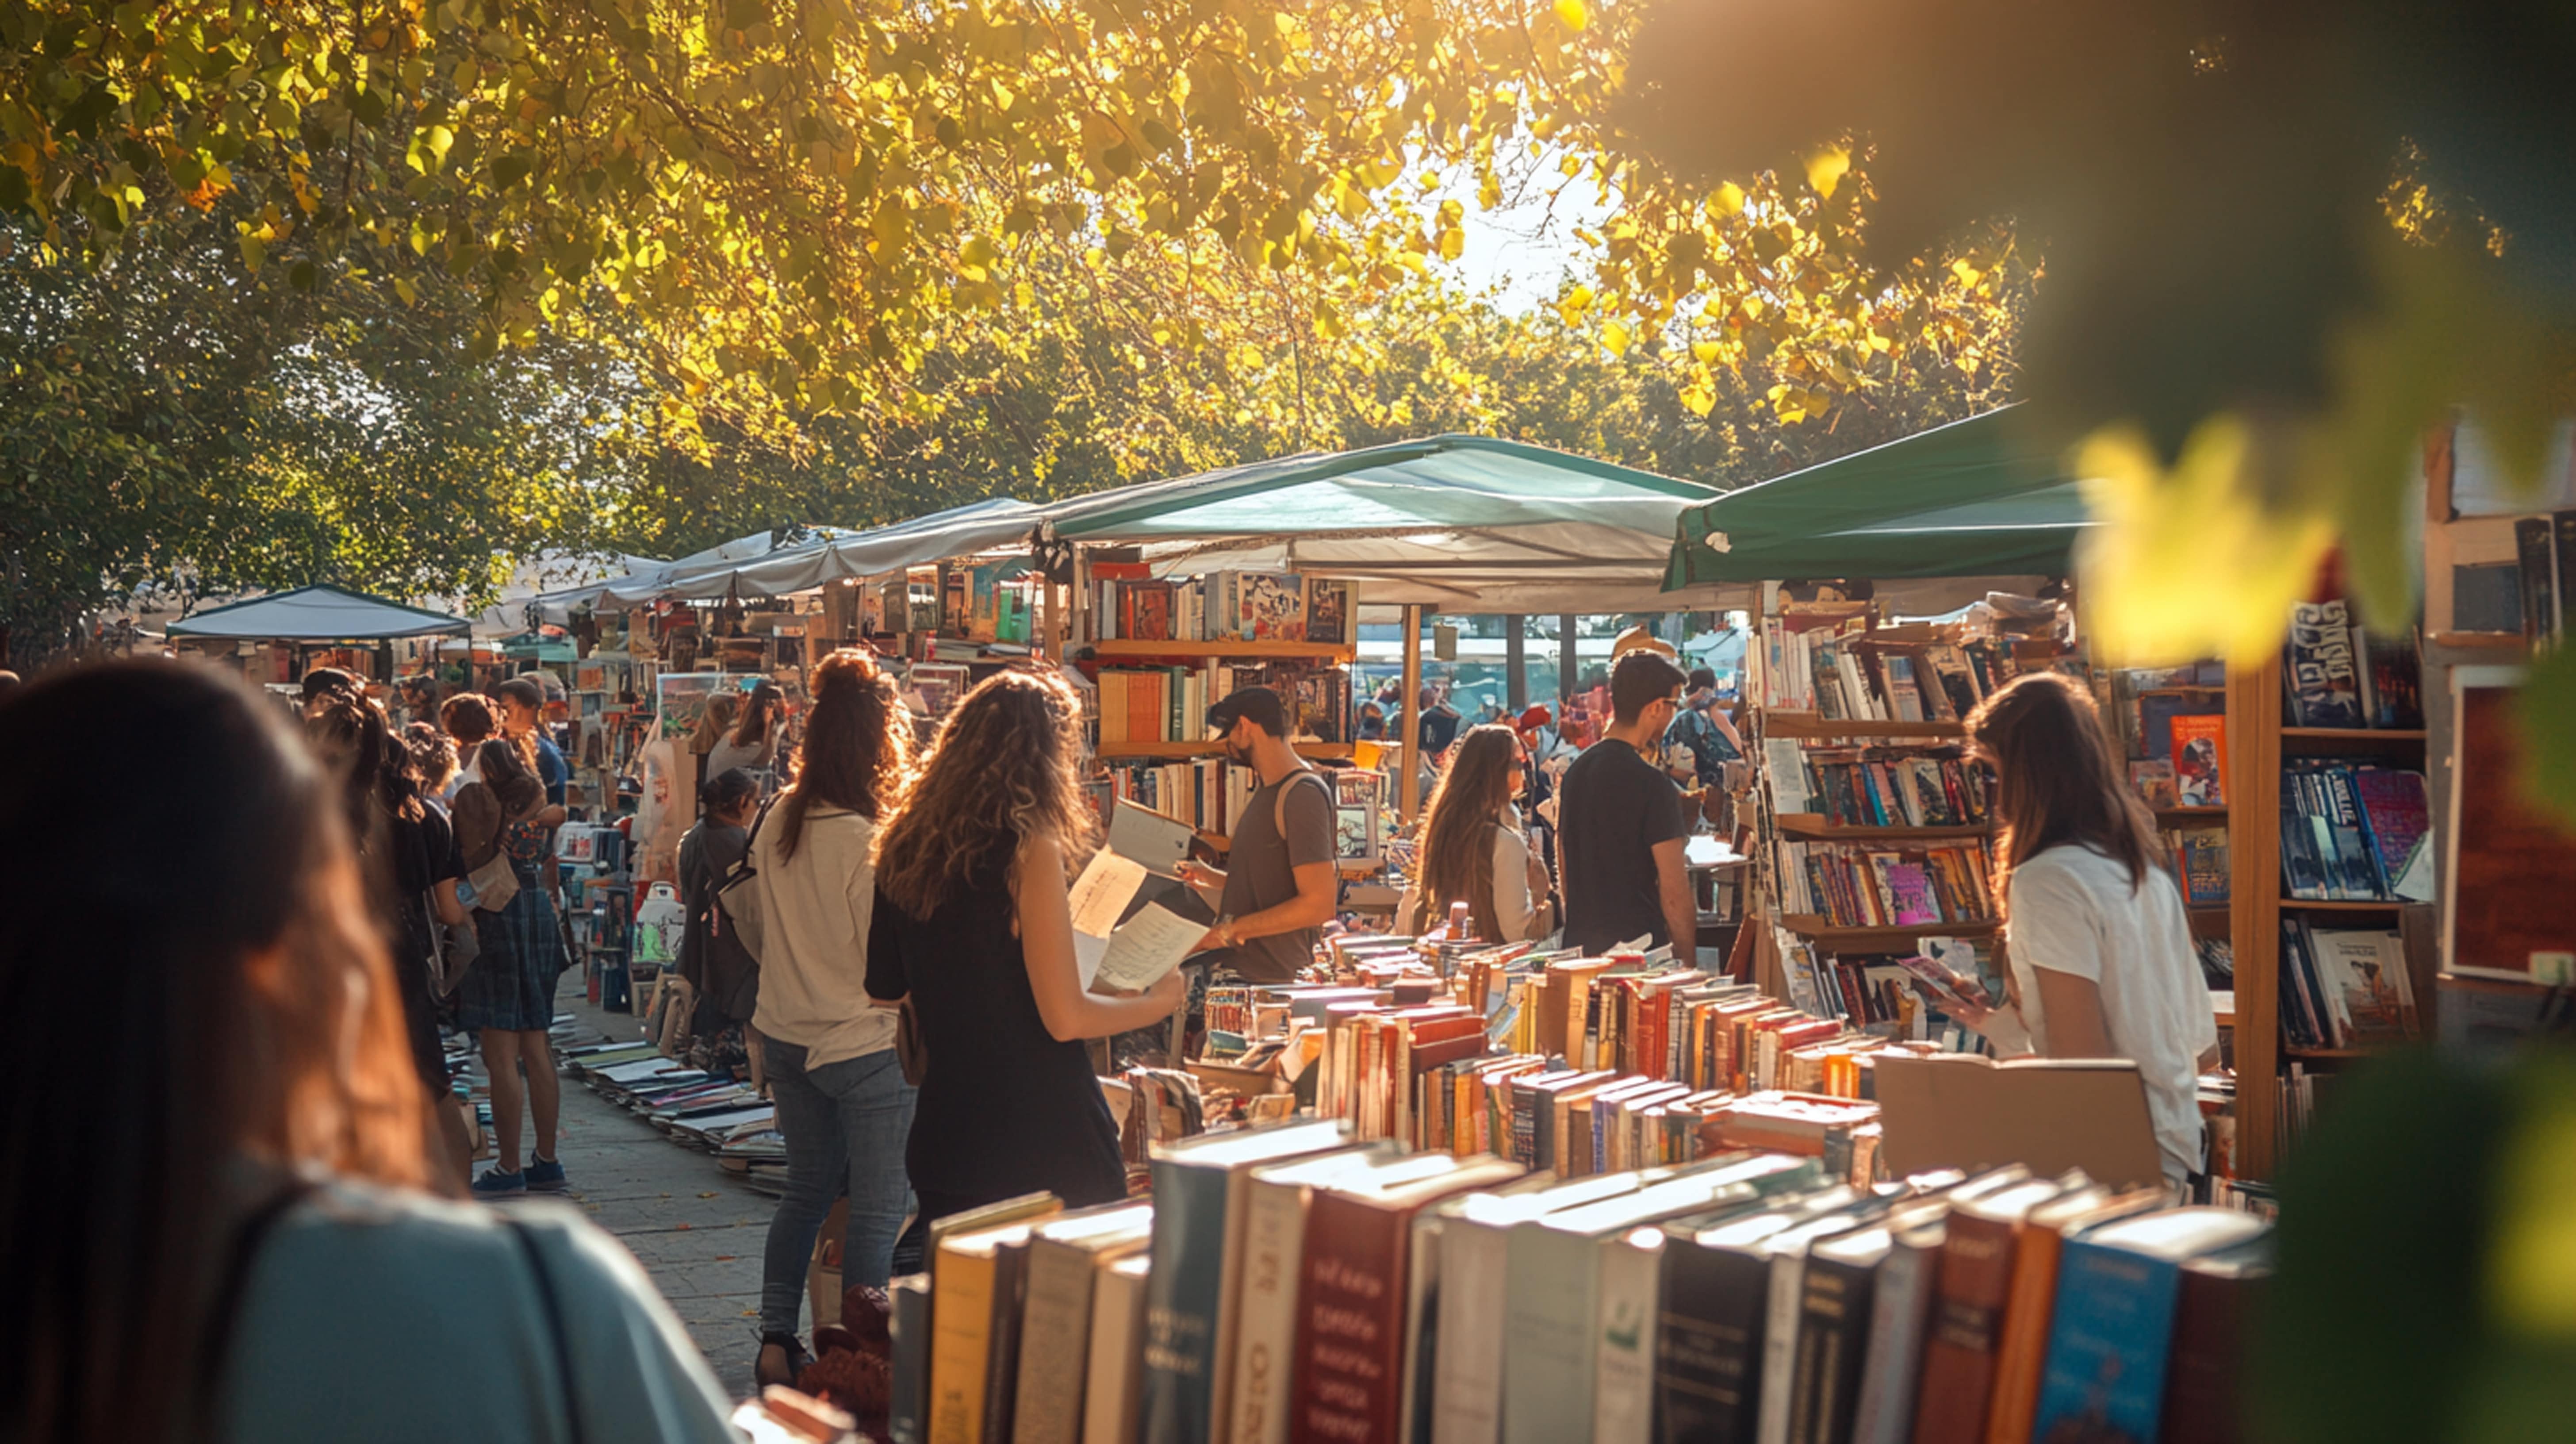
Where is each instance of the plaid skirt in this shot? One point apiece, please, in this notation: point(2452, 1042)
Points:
point(511, 985)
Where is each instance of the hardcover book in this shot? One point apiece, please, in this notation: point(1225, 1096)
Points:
point(2200, 759)
point(2114, 1324)
point(2318, 667)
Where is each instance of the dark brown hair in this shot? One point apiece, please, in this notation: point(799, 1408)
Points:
point(858, 745)
point(1458, 827)
point(1005, 771)
point(2057, 782)
point(1638, 680)
point(758, 710)
point(219, 985)
point(433, 756)
point(468, 717)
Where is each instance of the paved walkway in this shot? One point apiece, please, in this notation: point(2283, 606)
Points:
point(696, 1228)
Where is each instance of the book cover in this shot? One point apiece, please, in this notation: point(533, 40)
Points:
point(2200, 759)
point(1113, 1371)
point(2216, 1293)
point(2369, 967)
point(2114, 1324)
point(2318, 670)
point(1002, 1353)
point(1899, 1315)
point(1712, 1314)
point(2394, 804)
point(1271, 607)
point(2153, 780)
point(1266, 1319)
point(1785, 1291)
point(966, 1287)
point(2535, 552)
point(1328, 611)
point(1351, 1302)
point(2205, 874)
point(1197, 1208)
point(1065, 1255)
point(1973, 1288)
point(2022, 1352)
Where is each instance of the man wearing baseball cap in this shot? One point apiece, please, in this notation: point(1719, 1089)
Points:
point(1279, 885)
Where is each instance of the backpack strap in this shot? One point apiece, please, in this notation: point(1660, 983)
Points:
point(1279, 799)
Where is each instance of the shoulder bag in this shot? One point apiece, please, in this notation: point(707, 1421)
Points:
point(737, 906)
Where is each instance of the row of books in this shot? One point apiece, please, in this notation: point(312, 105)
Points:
point(2335, 674)
point(1842, 671)
point(1288, 1285)
point(2197, 857)
point(2355, 832)
point(2344, 987)
point(1169, 703)
point(1895, 787)
point(1211, 794)
point(1854, 886)
point(1129, 604)
point(2182, 754)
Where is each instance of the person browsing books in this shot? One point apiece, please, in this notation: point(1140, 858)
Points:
point(1473, 850)
point(754, 740)
point(712, 957)
point(1620, 829)
point(1279, 885)
point(228, 1237)
point(973, 926)
point(844, 1108)
point(2099, 946)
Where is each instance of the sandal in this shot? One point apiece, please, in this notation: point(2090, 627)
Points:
point(797, 1361)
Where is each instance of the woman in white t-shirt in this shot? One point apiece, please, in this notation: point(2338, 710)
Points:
point(2100, 950)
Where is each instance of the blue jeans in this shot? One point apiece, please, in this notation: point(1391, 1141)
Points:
point(845, 1124)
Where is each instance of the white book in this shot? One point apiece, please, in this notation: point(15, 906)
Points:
point(1623, 1407)
point(1265, 1336)
point(1066, 1256)
point(1114, 1375)
point(1788, 1253)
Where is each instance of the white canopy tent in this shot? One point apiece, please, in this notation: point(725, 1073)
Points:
point(1456, 524)
point(753, 566)
point(318, 614)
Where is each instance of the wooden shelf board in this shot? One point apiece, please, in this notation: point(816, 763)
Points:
point(2483, 641)
point(2298, 741)
point(2347, 905)
point(2288, 1052)
point(1808, 724)
point(1813, 825)
point(2191, 812)
point(1178, 751)
point(1816, 929)
point(1128, 647)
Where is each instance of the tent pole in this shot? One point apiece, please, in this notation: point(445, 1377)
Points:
point(1408, 788)
point(1564, 663)
point(1516, 663)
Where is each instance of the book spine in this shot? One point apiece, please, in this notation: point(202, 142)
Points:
point(1266, 1324)
point(1833, 1335)
point(1785, 1300)
point(909, 1324)
point(961, 1349)
point(1002, 1363)
point(1057, 1316)
point(1547, 1336)
point(1113, 1380)
point(1467, 1371)
point(1967, 1315)
point(1900, 1312)
point(2109, 1343)
point(1624, 1350)
point(2022, 1351)
point(2201, 1404)
point(1181, 1298)
point(1350, 1313)
point(1708, 1338)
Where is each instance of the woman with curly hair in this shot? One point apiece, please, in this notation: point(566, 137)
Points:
point(843, 1105)
point(974, 924)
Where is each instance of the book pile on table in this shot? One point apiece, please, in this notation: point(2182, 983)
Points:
point(1287, 1284)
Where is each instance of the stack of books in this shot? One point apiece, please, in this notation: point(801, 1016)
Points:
point(2355, 832)
point(1288, 1284)
point(1855, 886)
point(1129, 604)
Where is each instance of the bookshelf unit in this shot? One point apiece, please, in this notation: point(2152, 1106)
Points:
point(1125, 650)
point(2257, 745)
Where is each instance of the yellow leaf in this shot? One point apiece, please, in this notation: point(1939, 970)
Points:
point(1614, 335)
point(1453, 243)
point(1572, 15)
point(1826, 167)
point(1729, 199)
point(2187, 563)
point(1704, 351)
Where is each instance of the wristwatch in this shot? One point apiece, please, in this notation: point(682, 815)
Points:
point(1224, 929)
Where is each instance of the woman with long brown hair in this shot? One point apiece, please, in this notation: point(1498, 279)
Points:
point(843, 1104)
point(755, 738)
point(223, 1234)
point(2099, 946)
point(974, 924)
point(1473, 850)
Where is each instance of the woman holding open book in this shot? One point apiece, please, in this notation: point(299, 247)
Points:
point(2102, 964)
point(843, 1104)
point(213, 1220)
point(974, 925)
point(1473, 850)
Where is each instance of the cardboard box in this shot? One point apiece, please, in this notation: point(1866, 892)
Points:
point(1964, 1110)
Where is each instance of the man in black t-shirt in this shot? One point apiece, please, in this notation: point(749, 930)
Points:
point(1620, 828)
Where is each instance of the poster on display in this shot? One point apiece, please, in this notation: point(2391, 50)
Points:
point(680, 700)
point(940, 685)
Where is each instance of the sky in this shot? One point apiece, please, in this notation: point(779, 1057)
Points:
point(1523, 246)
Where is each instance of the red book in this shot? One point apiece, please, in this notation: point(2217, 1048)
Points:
point(1350, 1303)
point(1970, 1293)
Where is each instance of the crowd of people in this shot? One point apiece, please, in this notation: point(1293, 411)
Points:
point(275, 1187)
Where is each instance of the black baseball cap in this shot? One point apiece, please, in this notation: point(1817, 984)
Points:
point(1258, 703)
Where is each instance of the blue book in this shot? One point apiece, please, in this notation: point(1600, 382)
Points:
point(1201, 1192)
point(2113, 1327)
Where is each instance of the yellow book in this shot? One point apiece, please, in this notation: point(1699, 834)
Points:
point(961, 1331)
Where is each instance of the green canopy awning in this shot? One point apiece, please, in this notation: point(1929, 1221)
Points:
point(1973, 498)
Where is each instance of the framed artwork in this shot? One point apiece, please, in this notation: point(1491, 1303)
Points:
point(680, 700)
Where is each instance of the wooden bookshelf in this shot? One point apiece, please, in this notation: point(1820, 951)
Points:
point(1811, 825)
point(1814, 928)
point(1811, 725)
point(1127, 648)
point(1183, 751)
point(2257, 744)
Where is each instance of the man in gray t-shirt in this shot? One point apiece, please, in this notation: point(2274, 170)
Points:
point(1279, 886)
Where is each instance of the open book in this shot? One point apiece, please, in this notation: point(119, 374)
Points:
point(1130, 955)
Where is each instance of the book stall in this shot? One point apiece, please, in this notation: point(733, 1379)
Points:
point(273, 640)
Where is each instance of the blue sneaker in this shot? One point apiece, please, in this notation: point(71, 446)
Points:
point(496, 1184)
point(546, 1175)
